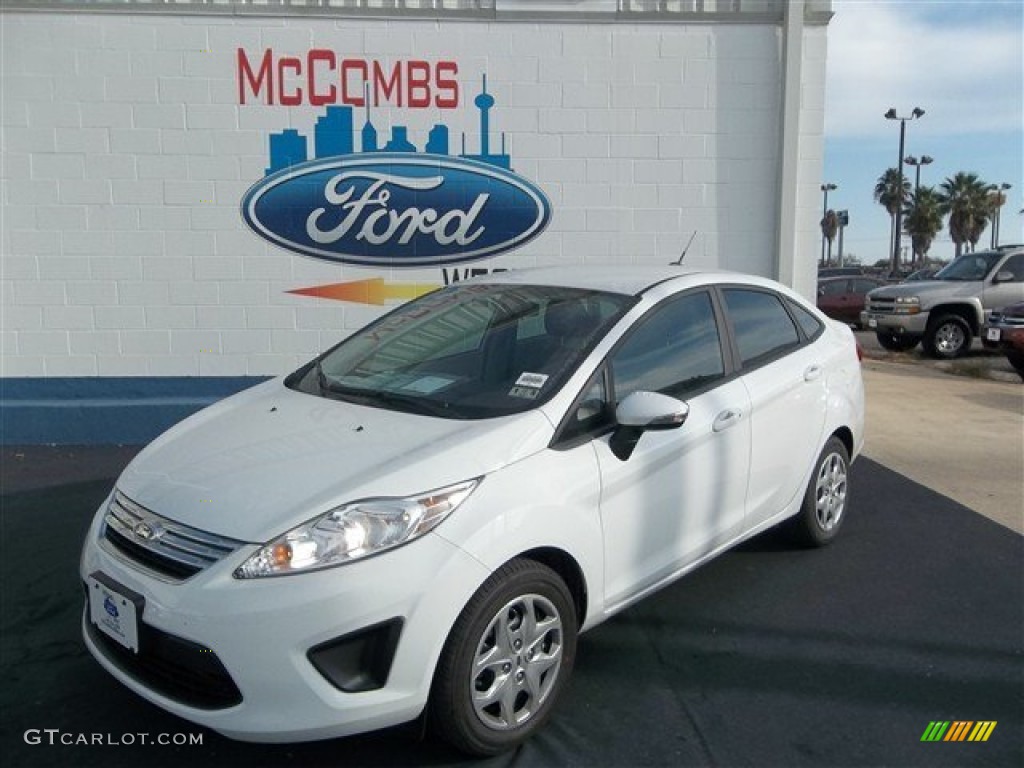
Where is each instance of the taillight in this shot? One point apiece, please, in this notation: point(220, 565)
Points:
point(860, 352)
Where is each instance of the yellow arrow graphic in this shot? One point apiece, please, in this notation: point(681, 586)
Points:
point(375, 290)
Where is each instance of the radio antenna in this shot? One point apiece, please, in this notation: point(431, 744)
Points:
point(683, 254)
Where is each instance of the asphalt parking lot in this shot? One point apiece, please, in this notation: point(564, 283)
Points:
point(770, 655)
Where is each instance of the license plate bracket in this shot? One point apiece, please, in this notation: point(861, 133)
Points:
point(115, 610)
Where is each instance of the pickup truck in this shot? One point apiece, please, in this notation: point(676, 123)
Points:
point(948, 311)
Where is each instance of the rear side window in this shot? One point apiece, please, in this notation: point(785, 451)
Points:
point(762, 325)
point(834, 287)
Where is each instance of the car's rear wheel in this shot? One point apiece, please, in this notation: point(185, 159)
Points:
point(827, 497)
point(948, 337)
point(896, 342)
point(507, 658)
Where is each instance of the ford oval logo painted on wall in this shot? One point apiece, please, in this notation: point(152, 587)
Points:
point(396, 209)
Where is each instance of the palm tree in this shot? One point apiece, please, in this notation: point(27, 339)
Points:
point(922, 220)
point(892, 194)
point(965, 197)
point(829, 227)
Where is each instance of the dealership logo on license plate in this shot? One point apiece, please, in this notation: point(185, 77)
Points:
point(113, 614)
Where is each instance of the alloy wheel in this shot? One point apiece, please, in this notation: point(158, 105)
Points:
point(830, 492)
point(517, 661)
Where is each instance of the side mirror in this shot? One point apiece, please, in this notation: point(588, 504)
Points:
point(651, 410)
point(1003, 276)
point(643, 411)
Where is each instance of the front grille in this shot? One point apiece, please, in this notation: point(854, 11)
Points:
point(171, 549)
point(881, 305)
point(172, 666)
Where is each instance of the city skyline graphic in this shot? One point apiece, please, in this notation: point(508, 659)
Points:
point(334, 136)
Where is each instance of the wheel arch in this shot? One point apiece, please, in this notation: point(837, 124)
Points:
point(968, 312)
point(845, 436)
point(565, 565)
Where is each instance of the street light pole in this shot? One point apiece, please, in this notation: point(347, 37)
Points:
point(826, 188)
point(917, 163)
point(898, 235)
point(997, 216)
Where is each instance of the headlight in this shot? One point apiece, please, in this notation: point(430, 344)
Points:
point(907, 305)
point(354, 530)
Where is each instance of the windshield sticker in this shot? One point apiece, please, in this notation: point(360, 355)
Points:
point(527, 393)
point(534, 380)
point(427, 384)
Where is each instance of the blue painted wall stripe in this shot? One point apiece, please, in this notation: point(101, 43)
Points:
point(105, 410)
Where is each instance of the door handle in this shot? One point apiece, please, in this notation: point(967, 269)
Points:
point(726, 419)
point(812, 372)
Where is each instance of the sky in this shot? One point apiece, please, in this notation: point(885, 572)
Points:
point(962, 61)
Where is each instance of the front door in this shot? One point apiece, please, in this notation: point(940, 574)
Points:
point(680, 494)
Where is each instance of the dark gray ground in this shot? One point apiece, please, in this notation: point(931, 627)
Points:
point(769, 656)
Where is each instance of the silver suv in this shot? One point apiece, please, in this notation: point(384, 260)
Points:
point(948, 311)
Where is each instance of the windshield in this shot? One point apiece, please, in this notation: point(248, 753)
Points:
point(969, 267)
point(466, 351)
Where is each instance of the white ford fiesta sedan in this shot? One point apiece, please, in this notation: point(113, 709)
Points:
point(421, 521)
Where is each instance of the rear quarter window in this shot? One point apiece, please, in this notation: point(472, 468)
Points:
point(809, 324)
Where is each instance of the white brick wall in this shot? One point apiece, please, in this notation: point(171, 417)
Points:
point(126, 153)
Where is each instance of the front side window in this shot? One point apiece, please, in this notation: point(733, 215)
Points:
point(1015, 266)
point(466, 351)
point(673, 350)
point(761, 324)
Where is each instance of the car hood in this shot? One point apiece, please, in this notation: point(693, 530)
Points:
point(925, 288)
point(261, 462)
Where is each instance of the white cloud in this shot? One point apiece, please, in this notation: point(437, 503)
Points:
point(960, 62)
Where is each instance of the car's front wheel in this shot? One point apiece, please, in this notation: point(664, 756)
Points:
point(948, 337)
point(896, 342)
point(826, 498)
point(1016, 358)
point(508, 655)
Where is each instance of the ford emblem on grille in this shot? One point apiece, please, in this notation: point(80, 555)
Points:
point(146, 532)
point(396, 210)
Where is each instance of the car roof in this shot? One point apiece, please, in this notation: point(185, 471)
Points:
point(837, 278)
point(631, 280)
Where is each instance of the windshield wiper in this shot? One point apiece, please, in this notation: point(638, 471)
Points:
point(395, 400)
point(414, 404)
point(321, 378)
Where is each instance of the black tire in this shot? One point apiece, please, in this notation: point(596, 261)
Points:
point(1016, 358)
point(948, 337)
point(896, 342)
point(826, 499)
point(530, 671)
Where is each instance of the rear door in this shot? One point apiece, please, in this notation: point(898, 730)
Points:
point(783, 373)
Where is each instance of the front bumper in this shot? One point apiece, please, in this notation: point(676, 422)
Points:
point(1004, 337)
point(899, 324)
point(262, 630)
